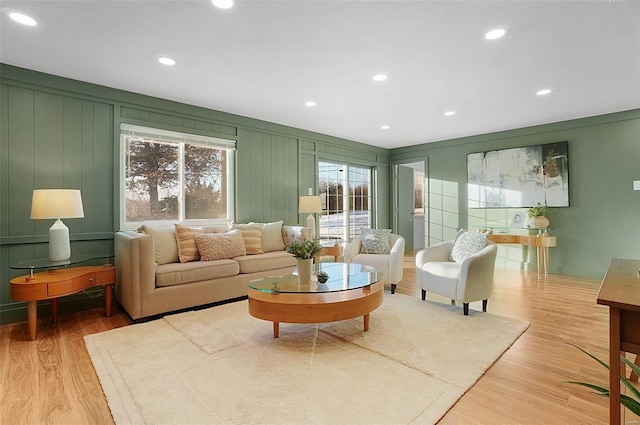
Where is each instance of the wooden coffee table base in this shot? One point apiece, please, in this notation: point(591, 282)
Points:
point(315, 307)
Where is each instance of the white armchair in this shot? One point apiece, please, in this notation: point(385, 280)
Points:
point(389, 264)
point(465, 281)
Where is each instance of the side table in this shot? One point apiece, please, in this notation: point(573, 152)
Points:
point(55, 283)
point(330, 249)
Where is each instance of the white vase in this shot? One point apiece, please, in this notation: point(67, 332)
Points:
point(539, 222)
point(305, 269)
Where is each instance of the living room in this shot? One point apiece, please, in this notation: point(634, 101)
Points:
point(65, 132)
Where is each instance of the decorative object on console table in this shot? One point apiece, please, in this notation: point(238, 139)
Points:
point(57, 204)
point(537, 220)
point(310, 204)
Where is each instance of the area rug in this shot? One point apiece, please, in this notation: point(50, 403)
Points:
point(222, 366)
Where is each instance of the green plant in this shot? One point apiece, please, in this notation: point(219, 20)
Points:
point(536, 211)
point(306, 249)
point(631, 403)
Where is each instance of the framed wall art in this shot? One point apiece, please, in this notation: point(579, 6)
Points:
point(519, 177)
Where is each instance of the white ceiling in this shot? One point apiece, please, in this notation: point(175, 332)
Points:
point(264, 59)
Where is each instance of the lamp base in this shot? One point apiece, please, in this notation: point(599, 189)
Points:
point(311, 224)
point(59, 245)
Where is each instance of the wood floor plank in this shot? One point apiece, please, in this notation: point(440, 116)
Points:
point(52, 380)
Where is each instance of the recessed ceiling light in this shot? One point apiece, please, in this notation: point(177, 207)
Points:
point(495, 33)
point(380, 77)
point(166, 61)
point(23, 19)
point(223, 4)
point(543, 92)
point(385, 127)
point(310, 103)
point(450, 113)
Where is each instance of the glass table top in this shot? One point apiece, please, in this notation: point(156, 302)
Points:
point(342, 277)
point(45, 263)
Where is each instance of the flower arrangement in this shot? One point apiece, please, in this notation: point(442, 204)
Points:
point(305, 250)
point(537, 210)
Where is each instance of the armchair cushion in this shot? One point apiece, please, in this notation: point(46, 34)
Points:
point(375, 241)
point(466, 244)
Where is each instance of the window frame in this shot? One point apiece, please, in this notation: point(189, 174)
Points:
point(181, 138)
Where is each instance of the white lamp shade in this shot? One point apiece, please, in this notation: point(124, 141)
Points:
point(56, 203)
point(309, 204)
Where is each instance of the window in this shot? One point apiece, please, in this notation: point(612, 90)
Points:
point(344, 211)
point(174, 177)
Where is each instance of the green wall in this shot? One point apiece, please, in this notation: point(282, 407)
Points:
point(603, 221)
point(57, 132)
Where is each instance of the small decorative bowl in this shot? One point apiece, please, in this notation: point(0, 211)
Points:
point(323, 277)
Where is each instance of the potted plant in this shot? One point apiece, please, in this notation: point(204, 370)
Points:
point(537, 220)
point(632, 401)
point(304, 252)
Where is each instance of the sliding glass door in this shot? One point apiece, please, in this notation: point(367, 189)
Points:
point(346, 195)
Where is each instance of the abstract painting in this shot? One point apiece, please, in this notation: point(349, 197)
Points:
point(519, 177)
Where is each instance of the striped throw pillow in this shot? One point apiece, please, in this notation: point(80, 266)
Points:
point(186, 238)
point(252, 236)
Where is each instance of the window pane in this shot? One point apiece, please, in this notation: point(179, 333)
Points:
point(151, 180)
point(205, 180)
point(345, 193)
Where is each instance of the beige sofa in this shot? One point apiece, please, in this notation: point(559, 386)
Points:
point(149, 280)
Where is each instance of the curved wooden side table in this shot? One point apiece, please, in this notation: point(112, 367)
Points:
point(55, 283)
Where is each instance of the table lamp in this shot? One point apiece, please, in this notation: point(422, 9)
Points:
point(57, 204)
point(311, 205)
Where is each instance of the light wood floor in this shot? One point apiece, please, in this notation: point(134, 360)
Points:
point(52, 380)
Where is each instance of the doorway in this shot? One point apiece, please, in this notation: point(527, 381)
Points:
point(410, 203)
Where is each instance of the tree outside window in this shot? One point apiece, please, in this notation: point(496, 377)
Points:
point(174, 181)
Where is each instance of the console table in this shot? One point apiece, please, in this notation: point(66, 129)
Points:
point(542, 242)
point(58, 281)
point(620, 291)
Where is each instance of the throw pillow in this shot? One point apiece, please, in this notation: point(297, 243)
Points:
point(252, 235)
point(466, 244)
point(271, 236)
point(186, 238)
point(164, 240)
point(217, 246)
point(375, 241)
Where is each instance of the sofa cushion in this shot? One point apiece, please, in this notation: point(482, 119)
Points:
point(466, 244)
point(221, 228)
point(164, 241)
point(186, 239)
point(271, 236)
point(375, 241)
point(264, 262)
point(195, 271)
point(217, 246)
point(252, 235)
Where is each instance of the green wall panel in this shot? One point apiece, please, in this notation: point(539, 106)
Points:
point(58, 132)
point(603, 221)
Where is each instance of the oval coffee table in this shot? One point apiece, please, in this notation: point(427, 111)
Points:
point(351, 291)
